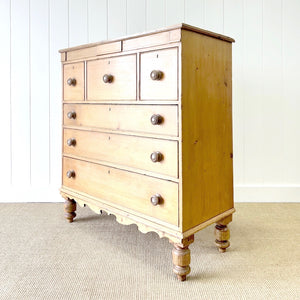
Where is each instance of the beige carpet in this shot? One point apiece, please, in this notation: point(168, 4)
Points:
point(44, 257)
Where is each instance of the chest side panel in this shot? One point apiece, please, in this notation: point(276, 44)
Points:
point(207, 173)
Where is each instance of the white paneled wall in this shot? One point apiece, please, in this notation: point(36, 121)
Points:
point(266, 89)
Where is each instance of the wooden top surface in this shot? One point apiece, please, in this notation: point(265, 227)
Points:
point(178, 26)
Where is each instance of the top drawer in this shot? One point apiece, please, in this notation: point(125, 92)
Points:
point(74, 81)
point(112, 78)
point(159, 75)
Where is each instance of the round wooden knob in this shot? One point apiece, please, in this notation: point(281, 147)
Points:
point(156, 75)
point(156, 199)
point(156, 156)
point(107, 78)
point(156, 119)
point(71, 142)
point(71, 81)
point(71, 115)
point(71, 173)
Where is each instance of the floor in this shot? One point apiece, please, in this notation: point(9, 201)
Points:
point(44, 257)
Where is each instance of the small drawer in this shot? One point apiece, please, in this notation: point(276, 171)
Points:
point(153, 119)
point(74, 81)
point(144, 194)
point(159, 75)
point(112, 78)
point(154, 155)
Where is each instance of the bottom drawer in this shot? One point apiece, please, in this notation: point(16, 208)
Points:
point(126, 189)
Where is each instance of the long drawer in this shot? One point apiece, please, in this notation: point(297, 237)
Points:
point(126, 189)
point(149, 154)
point(155, 119)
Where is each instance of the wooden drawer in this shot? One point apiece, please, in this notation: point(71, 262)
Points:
point(159, 75)
point(125, 189)
point(132, 118)
point(131, 151)
point(74, 81)
point(112, 78)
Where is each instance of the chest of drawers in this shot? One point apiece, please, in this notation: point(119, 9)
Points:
point(147, 133)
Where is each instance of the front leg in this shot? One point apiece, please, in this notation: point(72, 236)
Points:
point(182, 258)
point(222, 234)
point(70, 208)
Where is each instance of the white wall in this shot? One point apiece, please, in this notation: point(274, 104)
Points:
point(266, 88)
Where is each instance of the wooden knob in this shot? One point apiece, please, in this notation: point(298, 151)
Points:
point(156, 156)
point(156, 199)
point(71, 81)
point(71, 173)
point(71, 115)
point(156, 75)
point(107, 78)
point(156, 119)
point(71, 142)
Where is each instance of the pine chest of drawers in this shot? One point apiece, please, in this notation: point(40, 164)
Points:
point(147, 133)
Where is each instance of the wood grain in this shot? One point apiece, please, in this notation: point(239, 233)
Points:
point(165, 61)
point(182, 257)
point(222, 234)
point(123, 86)
point(145, 225)
point(187, 182)
point(120, 187)
point(81, 53)
point(117, 148)
point(75, 70)
point(151, 40)
point(207, 179)
point(70, 208)
point(109, 48)
point(131, 118)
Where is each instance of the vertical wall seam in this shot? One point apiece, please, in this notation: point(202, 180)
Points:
point(68, 23)
point(29, 77)
point(203, 12)
point(107, 19)
point(223, 16)
point(262, 36)
point(243, 93)
point(146, 5)
point(49, 98)
point(87, 21)
point(126, 27)
point(10, 89)
point(262, 63)
point(284, 173)
point(165, 12)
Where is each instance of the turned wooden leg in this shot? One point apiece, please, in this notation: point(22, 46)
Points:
point(70, 207)
point(182, 257)
point(222, 234)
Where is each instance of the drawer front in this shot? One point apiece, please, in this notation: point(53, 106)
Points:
point(154, 155)
point(112, 78)
point(133, 118)
point(74, 81)
point(159, 75)
point(126, 189)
